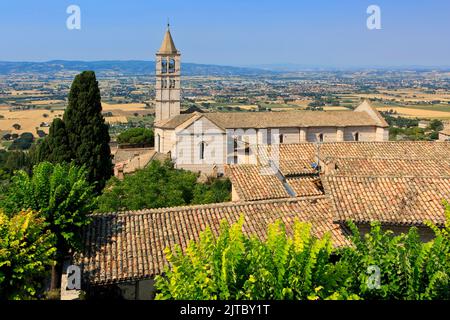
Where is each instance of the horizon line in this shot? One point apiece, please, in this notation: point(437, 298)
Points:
point(253, 66)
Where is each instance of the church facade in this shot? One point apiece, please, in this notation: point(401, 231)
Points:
point(206, 142)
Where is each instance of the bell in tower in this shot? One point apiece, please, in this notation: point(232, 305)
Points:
point(167, 79)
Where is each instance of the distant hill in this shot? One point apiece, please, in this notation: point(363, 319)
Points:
point(124, 67)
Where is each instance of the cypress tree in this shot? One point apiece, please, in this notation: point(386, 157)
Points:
point(87, 132)
point(57, 143)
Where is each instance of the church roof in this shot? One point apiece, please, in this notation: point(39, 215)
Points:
point(365, 106)
point(168, 46)
point(302, 118)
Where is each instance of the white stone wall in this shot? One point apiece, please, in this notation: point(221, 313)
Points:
point(382, 134)
point(329, 134)
point(290, 135)
point(185, 144)
point(365, 133)
point(166, 140)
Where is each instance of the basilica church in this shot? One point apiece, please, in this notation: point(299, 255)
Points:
point(206, 142)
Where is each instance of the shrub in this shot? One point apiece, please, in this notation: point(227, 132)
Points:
point(136, 136)
point(26, 253)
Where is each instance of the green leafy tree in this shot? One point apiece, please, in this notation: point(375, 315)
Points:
point(217, 190)
point(142, 136)
point(234, 266)
point(26, 253)
point(62, 195)
point(160, 185)
point(436, 125)
point(409, 269)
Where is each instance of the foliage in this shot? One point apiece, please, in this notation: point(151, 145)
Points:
point(213, 191)
point(410, 134)
point(26, 252)
point(11, 161)
point(137, 136)
point(24, 142)
point(82, 136)
point(234, 266)
point(400, 122)
point(160, 185)
point(435, 125)
point(56, 147)
point(60, 193)
point(401, 128)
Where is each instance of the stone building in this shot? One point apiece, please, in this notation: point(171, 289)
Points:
point(205, 142)
point(399, 184)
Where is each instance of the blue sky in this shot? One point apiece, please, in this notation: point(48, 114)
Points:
point(231, 32)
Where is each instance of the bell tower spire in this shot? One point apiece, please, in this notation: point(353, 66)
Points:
point(167, 79)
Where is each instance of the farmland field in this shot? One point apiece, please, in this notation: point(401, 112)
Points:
point(31, 120)
point(417, 112)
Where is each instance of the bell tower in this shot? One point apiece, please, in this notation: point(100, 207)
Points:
point(167, 79)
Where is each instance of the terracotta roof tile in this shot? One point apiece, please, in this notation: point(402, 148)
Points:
point(389, 167)
point(390, 200)
point(129, 245)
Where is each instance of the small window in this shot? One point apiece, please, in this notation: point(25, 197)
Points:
point(356, 136)
point(164, 66)
point(235, 151)
point(171, 65)
point(247, 149)
point(202, 150)
point(320, 137)
point(281, 138)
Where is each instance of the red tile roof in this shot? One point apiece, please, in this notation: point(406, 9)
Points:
point(129, 245)
point(251, 183)
point(390, 200)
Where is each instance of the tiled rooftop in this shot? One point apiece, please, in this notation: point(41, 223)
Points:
point(290, 119)
point(129, 245)
point(251, 184)
point(400, 183)
point(305, 186)
point(390, 200)
point(294, 159)
point(389, 167)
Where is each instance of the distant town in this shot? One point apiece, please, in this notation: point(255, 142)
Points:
point(33, 94)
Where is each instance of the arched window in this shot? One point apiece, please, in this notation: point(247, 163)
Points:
point(356, 136)
point(320, 137)
point(202, 150)
point(163, 66)
point(171, 65)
